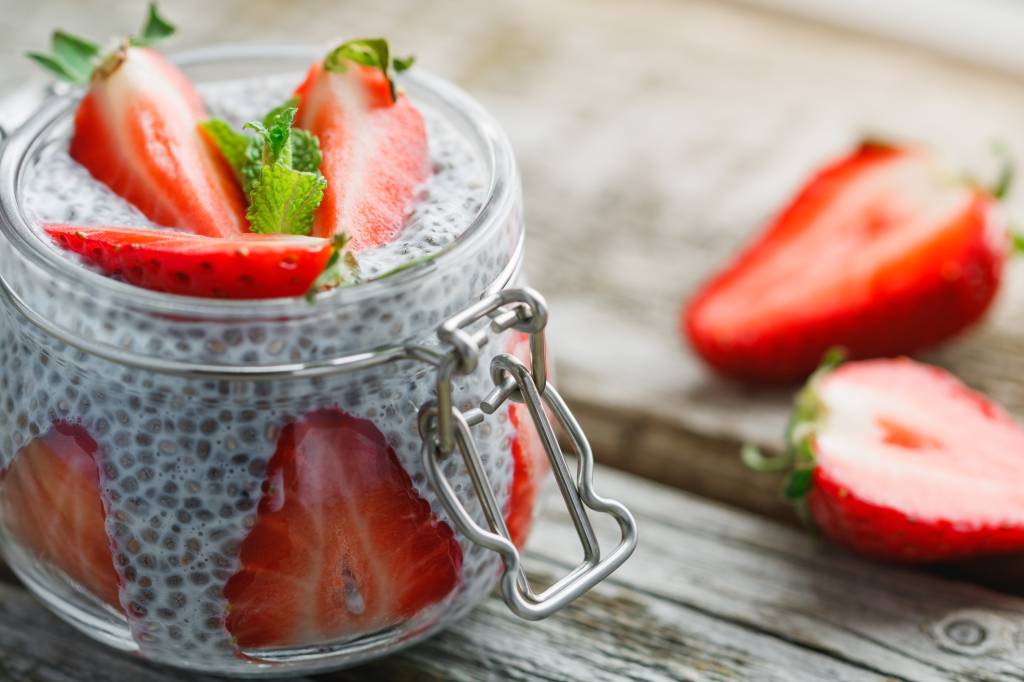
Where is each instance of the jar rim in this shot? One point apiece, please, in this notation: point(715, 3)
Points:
point(497, 157)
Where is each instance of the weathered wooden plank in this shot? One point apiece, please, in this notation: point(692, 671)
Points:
point(775, 580)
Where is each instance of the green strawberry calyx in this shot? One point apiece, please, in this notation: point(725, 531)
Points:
point(372, 52)
point(806, 419)
point(78, 60)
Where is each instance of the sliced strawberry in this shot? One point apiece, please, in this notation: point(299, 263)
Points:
point(909, 464)
point(374, 152)
point(136, 130)
point(245, 266)
point(530, 463)
point(50, 497)
point(880, 253)
point(342, 545)
point(529, 460)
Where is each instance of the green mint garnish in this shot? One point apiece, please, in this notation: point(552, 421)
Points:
point(341, 268)
point(283, 200)
point(372, 52)
point(278, 169)
point(75, 59)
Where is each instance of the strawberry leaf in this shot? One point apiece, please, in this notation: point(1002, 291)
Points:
point(1017, 238)
point(798, 484)
point(154, 30)
point(1007, 170)
point(754, 459)
point(372, 52)
point(57, 67)
point(342, 268)
point(283, 200)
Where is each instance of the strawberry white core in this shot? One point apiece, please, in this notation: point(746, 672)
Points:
point(914, 438)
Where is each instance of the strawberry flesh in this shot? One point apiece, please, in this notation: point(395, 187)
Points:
point(880, 253)
point(50, 497)
point(136, 130)
point(374, 152)
point(245, 266)
point(913, 466)
point(342, 546)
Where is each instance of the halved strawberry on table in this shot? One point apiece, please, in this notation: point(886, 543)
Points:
point(50, 497)
point(136, 130)
point(373, 139)
point(883, 253)
point(342, 545)
point(900, 461)
point(245, 266)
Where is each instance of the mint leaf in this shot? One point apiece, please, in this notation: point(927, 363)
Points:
point(275, 113)
point(306, 154)
point(372, 52)
point(276, 133)
point(154, 30)
point(233, 145)
point(342, 268)
point(283, 200)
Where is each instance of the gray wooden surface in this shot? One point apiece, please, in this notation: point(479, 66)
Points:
point(711, 594)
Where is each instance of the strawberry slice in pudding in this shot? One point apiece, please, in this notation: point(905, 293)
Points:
point(50, 497)
point(342, 546)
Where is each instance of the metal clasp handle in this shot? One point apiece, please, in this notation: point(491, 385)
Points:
point(444, 429)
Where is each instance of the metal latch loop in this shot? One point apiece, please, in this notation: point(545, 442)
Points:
point(524, 310)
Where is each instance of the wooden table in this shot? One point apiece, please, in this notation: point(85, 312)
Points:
point(654, 138)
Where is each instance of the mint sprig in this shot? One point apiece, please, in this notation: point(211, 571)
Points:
point(278, 169)
point(372, 52)
point(75, 59)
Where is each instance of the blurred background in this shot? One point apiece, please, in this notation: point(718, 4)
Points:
point(654, 138)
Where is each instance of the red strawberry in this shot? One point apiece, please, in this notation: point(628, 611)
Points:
point(880, 253)
point(245, 266)
point(529, 460)
point(530, 463)
point(51, 504)
point(900, 461)
point(342, 545)
point(374, 151)
point(137, 131)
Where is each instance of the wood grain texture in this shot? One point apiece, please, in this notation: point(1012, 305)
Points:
point(711, 594)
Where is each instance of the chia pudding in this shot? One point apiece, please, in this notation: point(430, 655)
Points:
point(206, 435)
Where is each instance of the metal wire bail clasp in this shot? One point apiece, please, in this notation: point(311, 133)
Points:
point(444, 428)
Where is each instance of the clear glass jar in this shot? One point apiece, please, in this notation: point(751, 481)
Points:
point(268, 487)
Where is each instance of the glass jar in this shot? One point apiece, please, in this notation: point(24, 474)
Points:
point(279, 486)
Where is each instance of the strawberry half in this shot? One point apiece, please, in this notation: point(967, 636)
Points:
point(136, 130)
point(342, 545)
point(900, 461)
point(880, 253)
point(244, 266)
point(50, 497)
point(374, 146)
